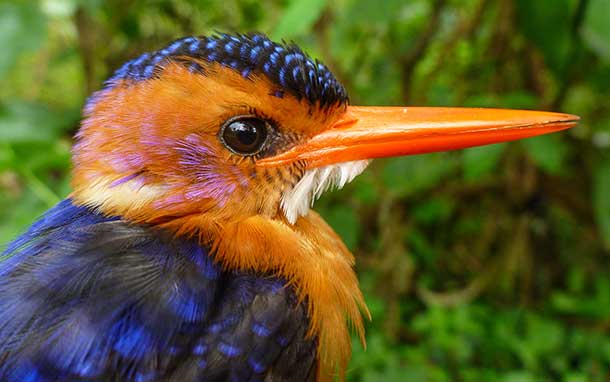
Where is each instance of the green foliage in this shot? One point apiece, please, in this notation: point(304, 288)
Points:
point(548, 152)
point(481, 161)
point(595, 31)
point(489, 264)
point(298, 18)
point(601, 199)
point(22, 29)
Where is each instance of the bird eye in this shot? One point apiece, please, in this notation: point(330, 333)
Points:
point(244, 135)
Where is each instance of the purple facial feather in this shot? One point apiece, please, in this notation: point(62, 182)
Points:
point(118, 163)
point(125, 179)
point(169, 200)
point(197, 158)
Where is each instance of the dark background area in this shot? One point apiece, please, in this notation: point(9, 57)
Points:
point(488, 264)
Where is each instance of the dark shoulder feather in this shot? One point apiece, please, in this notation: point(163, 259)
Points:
point(84, 295)
point(91, 298)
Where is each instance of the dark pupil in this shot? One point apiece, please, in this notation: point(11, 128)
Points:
point(245, 136)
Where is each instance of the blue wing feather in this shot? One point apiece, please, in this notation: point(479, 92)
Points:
point(92, 298)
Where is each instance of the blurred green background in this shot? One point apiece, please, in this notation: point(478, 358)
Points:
point(488, 264)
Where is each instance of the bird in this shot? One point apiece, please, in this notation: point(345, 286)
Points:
point(188, 249)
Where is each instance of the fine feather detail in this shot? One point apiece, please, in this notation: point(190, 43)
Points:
point(297, 200)
point(90, 297)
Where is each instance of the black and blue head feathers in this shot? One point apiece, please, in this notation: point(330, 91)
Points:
point(285, 65)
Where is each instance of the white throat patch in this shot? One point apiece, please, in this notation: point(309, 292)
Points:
point(299, 199)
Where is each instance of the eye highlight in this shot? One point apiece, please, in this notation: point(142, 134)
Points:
point(244, 135)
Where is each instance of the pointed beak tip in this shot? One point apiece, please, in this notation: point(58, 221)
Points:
point(367, 132)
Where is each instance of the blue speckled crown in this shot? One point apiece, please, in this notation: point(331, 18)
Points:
point(283, 64)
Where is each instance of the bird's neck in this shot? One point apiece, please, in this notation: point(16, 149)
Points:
point(308, 254)
point(314, 261)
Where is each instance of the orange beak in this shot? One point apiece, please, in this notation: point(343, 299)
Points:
point(375, 132)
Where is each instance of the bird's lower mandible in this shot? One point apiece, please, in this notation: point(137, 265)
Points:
point(187, 250)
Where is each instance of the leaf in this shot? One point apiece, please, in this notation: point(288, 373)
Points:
point(364, 189)
point(345, 221)
point(518, 376)
point(298, 18)
point(513, 100)
point(29, 122)
point(382, 12)
point(547, 151)
point(434, 210)
point(596, 28)
point(601, 200)
point(480, 161)
point(22, 29)
point(575, 376)
point(407, 175)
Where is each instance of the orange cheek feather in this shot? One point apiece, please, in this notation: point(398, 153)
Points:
point(149, 153)
point(139, 128)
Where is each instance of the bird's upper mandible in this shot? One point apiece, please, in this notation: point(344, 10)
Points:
point(175, 140)
point(187, 250)
point(187, 124)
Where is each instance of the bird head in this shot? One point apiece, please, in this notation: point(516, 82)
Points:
point(232, 138)
point(235, 126)
point(180, 132)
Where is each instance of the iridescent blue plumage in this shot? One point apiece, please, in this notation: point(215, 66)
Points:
point(93, 298)
point(285, 65)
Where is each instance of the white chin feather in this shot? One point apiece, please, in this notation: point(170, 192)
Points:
point(299, 199)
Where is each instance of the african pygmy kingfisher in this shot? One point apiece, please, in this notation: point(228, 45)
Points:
point(187, 250)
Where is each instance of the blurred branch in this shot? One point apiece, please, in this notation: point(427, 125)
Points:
point(396, 266)
point(454, 298)
point(409, 61)
point(486, 274)
point(91, 32)
point(500, 48)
